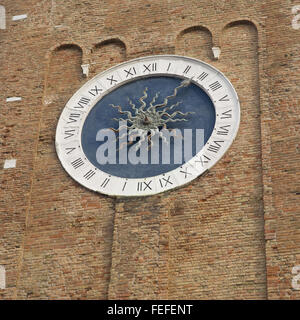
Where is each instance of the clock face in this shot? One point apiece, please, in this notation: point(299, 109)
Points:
point(148, 125)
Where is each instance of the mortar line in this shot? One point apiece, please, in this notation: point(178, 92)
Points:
point(112, 244)
point(27, 212)
point(265, 158)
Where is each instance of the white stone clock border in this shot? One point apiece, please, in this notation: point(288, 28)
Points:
point(70, 124)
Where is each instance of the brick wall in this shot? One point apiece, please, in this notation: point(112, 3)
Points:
point(231, 234)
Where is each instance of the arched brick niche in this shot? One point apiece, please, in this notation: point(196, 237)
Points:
point(195, 42)
point(240, 42)
point(216, 223)
point(107, 54)
point(63, 216)
point(63, 78)
point(64, 69)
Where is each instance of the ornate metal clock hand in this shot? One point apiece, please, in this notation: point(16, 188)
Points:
point(148, 122)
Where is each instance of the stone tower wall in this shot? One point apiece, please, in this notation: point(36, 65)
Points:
point(232, 234)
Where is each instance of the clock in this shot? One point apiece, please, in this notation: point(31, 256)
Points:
point(147, 126)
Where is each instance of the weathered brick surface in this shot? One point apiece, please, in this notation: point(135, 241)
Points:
point(231, 234)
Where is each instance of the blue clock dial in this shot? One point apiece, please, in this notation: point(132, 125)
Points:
point(150, 104)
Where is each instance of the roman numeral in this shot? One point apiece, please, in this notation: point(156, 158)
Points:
point(105, 182)
point(187, 69)
point(129, 72)
point(83, 102)
point(203, 160)
point(164, 182)
point(95, 92)
point(77, 163)
point(142, 186)
point(70, 150)
point(89, 174)
point(69, 133)
point(224, 98)
point(111, 79)
point(215, 86)
point(223, 131)
point(186, 173)
point(215, 146)
point(227, 114)
point(202, 76)
point(150, 67)
point(73, 117)
point(169, 65)
point(124, 186)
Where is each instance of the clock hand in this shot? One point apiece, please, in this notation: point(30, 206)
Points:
point(136, 110)
point(170, 108)
point(175, 120)
point(153, 100)
point(183, 84)
point(142, 100)
point(121, 119)
point(171, 116)
point(121, 111)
